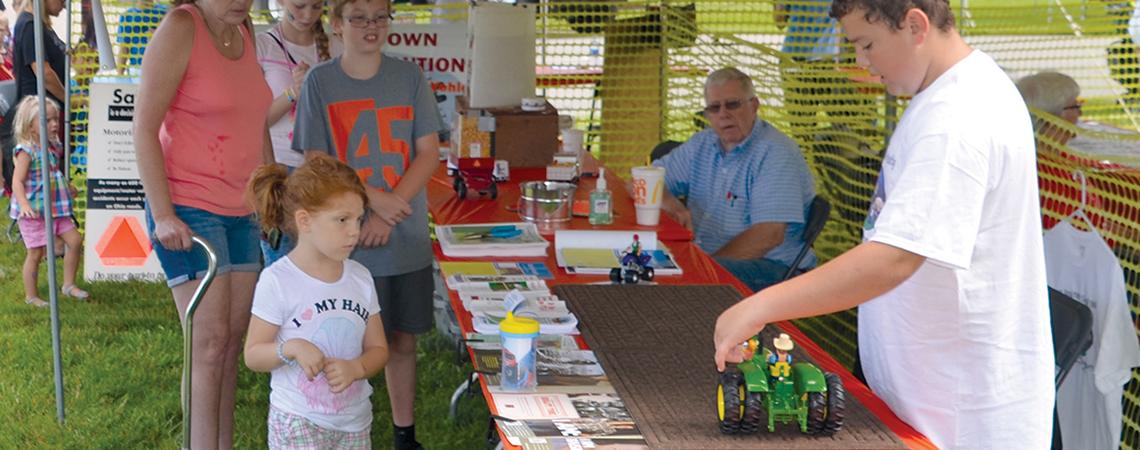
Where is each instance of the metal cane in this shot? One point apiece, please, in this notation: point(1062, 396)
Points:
point(188, 333)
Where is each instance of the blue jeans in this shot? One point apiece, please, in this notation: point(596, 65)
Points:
point(756, 273)
point(234, 239)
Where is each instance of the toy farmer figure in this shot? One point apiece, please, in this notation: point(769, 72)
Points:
point(780, 362)
point(633, 255)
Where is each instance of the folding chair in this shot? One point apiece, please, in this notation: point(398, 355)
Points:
point(816, 219)
point(1072, 336)
point(663, 149)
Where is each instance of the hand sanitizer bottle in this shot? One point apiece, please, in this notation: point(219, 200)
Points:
point(601, 202)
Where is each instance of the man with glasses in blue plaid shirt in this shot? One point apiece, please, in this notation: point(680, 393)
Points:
point(746, 186)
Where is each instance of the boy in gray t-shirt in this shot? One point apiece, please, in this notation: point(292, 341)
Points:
point(386, 127)
point(372, 125)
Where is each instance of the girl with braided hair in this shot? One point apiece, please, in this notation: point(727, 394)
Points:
point(285, 53)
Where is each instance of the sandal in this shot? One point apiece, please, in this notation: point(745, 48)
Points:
point(73, 291)
point(36, 301)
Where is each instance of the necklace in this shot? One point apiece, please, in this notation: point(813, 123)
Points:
point(226, 42)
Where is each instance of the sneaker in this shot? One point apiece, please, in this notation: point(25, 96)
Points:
point(405, 438)
point(404, 445)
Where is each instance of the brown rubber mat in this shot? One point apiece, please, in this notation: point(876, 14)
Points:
point(655, 343)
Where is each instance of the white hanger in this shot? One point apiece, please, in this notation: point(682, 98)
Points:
point(1080, 211)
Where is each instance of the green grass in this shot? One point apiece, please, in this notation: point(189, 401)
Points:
point(122, 362)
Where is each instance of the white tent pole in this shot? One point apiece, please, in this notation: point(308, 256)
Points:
point(45, 156)
point(102, 39)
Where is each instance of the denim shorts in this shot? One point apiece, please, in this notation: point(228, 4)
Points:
point(234, 239)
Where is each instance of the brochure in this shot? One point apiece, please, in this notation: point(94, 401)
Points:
point(597, 252)
point(484, 282)
point(571, 443)
point(534, 406)
point(488, 322)
point(519, 432)
point(546, 306)
point(537, 406)
point(537, 269)
point(517, 239)
point(562, 370)
point(492, 341)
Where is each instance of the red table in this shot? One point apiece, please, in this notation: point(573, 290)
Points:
point(446, 209)
point(699, 268)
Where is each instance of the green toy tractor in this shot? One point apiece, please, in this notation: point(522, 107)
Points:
point(798, 393)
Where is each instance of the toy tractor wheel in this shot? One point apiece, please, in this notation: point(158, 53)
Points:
point(836, 404)
point(647, 274)
point(456, 182)
point(494, 190)
point(615, 275)
point(729, 395)
point(825, 412)
point(632, 277)
point(462, 190)
point(753, 412)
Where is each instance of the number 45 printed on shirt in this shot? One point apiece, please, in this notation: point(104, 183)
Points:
point(362, 134)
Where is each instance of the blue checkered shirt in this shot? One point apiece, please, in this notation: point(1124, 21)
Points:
point(763, 179)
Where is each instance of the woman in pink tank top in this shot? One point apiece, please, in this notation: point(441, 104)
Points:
point(200, 131)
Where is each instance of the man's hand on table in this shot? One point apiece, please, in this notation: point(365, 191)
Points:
point(677, 210)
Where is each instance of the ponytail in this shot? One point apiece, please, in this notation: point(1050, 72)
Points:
point(322, 41)
point(276, 195)
point(266, 193)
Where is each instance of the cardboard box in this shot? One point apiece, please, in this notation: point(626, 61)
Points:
point(522, 138)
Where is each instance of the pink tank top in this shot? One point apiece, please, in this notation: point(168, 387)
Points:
point(214, 130)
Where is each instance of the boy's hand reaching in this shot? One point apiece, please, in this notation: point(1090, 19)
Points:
point(311, 359)
point(734, 326)
point(341, 373)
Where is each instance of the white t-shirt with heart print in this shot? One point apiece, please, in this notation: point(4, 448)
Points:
point(332, 316)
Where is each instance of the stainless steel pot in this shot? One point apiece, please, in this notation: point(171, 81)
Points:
point(546, 201)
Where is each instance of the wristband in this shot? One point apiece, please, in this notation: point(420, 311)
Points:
point(281, 355)
point(289, 95)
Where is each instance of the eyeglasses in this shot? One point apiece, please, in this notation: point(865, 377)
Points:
point(363, 22)
point(731, 105)
point(1071, 107)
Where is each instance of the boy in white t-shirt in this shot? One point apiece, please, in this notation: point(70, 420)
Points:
point(950, 280)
